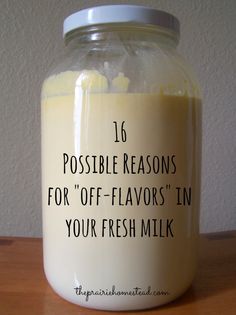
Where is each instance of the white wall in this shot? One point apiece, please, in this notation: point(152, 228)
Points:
point(30, 39)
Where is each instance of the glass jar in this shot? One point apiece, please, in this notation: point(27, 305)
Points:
point(121, 139)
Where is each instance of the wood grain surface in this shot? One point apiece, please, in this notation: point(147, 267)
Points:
point(24, 289)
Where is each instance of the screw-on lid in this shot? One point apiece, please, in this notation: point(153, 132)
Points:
point(120, 14)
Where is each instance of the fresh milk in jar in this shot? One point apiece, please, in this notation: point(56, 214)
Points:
point(121, 140)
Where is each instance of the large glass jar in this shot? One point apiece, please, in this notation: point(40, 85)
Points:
point(121, 138)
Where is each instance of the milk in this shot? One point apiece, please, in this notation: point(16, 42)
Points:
point(120, 191)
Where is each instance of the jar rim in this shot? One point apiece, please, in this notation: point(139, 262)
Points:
point(120, 14)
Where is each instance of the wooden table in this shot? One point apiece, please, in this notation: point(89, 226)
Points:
point(24, 289)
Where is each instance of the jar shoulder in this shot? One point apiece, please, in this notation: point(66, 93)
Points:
point(149, 68)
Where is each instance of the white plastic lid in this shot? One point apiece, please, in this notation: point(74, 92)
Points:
point(120, 14)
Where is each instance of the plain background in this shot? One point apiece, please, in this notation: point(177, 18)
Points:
point(31, 39)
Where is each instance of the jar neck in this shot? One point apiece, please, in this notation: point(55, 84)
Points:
point(128, 33)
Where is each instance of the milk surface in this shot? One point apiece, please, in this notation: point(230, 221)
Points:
point(120, 181)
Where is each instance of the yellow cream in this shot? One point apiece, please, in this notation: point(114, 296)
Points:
point(103, 226)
